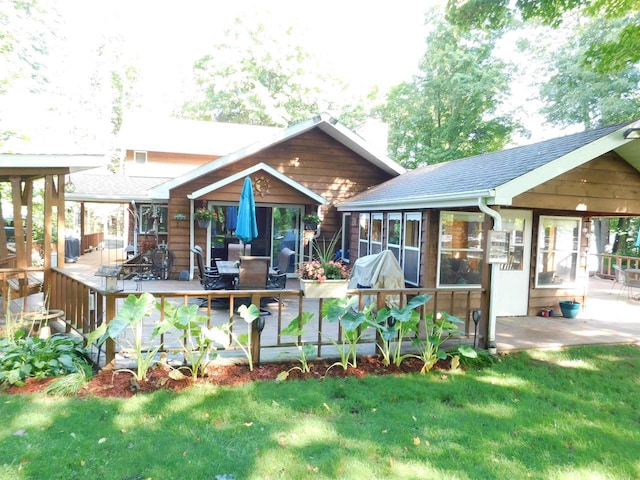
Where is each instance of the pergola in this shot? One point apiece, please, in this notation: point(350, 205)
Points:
point(21, 171)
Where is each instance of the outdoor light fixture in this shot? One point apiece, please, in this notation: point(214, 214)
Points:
point(631, 133)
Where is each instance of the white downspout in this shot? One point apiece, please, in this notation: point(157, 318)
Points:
point(497, 225)
point(191, 238)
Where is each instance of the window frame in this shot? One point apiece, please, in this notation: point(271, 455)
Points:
point(395, 248)
point(409, 248)
point(478, 217)
point(541, 251)
point(363, 242)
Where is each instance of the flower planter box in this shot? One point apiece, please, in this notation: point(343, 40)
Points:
point(326, 289)
point(204, 223)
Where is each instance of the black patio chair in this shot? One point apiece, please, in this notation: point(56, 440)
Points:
point(210, 279)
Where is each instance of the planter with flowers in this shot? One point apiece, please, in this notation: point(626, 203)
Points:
point(204, 216)
point(311, 221)
point(324, 277)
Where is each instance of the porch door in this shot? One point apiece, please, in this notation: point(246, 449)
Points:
point(512, 279)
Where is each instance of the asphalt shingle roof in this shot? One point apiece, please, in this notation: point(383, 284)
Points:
point(480, 172)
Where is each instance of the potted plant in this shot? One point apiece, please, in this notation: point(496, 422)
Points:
point(311, 221)
point(323, 277)
point(569, 308)
point(204, 216)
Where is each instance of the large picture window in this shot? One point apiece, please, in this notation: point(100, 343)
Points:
point(558, 244)
point(461, 248)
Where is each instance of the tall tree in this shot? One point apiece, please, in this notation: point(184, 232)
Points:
point(448, 111)
point(605, 54)
point(575, 94)
point(259, 75)
point(23, 48)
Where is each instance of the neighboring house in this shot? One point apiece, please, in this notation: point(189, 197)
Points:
point(436, 219)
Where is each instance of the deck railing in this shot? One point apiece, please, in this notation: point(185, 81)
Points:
point(19, 283)
point(607, 261)
point(86, 305)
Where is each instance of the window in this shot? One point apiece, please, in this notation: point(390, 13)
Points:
point(515, 232)
point(345, 247)
point(461, 248)
point(363, 235)
point(152, 216)
point(411, 251)
point(376, 233)
point(557, 259)
point(140, 157)
point(394, 234)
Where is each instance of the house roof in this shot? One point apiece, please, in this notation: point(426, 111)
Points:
point(324, 122)
point(101, 187)
point(172, 135)
point(36, 165)
point(496, 177)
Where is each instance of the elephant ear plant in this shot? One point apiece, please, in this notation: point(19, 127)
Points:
point(439, 329)
point(394, 325)
point(197, 340)
point(129, 317)
point(296, 329)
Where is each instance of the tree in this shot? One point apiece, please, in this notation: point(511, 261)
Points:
point(603, 55)
point(23, 47)
point(259, 76)
point(574, 94)
point(448, 111)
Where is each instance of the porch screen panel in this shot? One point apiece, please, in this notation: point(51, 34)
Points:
point(376, 233)
point(345, 248)
point(411, 250)
point(558, 244)
point(394, 234)
point(461, 248)
point(363, 235)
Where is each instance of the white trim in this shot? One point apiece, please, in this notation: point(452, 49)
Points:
point(325, 122)
point(253, 169)
point(560, 165)
point(463, 199)
point(74, 162)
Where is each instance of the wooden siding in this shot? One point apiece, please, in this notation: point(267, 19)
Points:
point(312, 159)
point(605, 186)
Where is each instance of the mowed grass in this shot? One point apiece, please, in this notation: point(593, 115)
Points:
point(570, 414)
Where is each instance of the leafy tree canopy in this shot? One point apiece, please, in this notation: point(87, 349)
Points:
point(260, 76)
point(604, 55)
point(449, 110)
point(574, 94)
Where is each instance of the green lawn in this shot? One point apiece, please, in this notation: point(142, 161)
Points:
point(571, 414)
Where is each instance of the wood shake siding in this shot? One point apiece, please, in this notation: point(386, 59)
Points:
point(603, 185)
point(313, 159)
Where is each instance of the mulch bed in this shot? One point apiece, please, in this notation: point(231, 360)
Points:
point(119, 384)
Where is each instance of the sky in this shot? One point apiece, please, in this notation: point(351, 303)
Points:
point(365, 43)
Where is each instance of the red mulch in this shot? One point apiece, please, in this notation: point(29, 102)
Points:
point(109, 383)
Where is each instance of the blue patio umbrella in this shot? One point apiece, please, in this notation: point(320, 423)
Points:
point(247, 227)
point(232, 218)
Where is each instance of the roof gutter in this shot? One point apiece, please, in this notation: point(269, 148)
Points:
point(497, 225)
point(427, 201)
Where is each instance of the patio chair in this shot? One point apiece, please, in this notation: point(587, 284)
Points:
point(210, 277)
point(627, 282)
point(284, 260)
point(236, 250)
point(253, 275)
